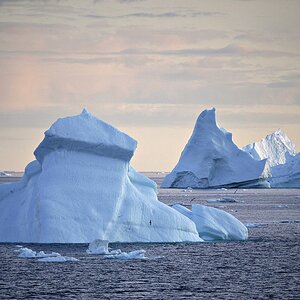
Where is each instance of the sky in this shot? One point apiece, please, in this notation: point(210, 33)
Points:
point(148, 68)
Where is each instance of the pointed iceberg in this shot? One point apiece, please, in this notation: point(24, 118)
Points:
point(81, 187)
point(283, 162)
point(211, 160)
point(274, 148)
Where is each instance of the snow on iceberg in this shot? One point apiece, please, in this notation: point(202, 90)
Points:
point(81, 187)
point(211, 160)
point(274, 148)
point(286, 175)
point(214, 224)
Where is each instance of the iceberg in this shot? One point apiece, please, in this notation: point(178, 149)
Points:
point(212, 160)
point(98, 247)
point(286, 175)
point(283, 162)
point(214, 224)
point(81, 187)
point(4, 174)
point(274, 148)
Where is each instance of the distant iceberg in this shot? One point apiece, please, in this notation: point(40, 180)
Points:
point(212, 160)
point(214, 224)
point(286, 175)
point(81, 187)
point(4, 174)
point(274, 148)
point(283, 162)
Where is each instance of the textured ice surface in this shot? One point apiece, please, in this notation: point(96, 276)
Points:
point(283, 162)
point(286, 175)
point(82, 188)
point(211, 159)
point(273, 147)
point(214, 224)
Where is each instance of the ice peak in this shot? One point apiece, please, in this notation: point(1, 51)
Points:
point(208, 116)
point(85, 112)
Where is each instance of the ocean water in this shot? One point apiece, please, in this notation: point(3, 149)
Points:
point(266, 266)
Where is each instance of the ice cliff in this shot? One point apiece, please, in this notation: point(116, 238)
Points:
point(211, 159)
point(81, 187)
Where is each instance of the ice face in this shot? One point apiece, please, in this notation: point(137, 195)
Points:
point(211, 159)
point(82, 188)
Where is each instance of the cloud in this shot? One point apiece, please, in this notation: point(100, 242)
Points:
point(227, 51)
point(170, 14)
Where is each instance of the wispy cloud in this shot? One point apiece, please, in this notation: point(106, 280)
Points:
point(170, 14)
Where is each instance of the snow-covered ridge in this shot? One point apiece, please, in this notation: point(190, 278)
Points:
point(210, 159)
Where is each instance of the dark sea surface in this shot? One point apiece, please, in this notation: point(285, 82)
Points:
point(266, 266)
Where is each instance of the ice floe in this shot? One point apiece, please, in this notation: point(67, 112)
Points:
point(100, 247)
point(59, 259)
point(255, 225)
point(222, 200)
point(212, 160)
point(42, 256)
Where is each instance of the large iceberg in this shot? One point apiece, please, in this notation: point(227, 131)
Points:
point(214, 224)
point(273, 147)
point(81, 187)
point(212, 160)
